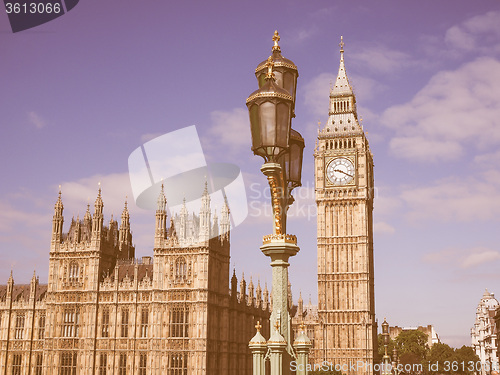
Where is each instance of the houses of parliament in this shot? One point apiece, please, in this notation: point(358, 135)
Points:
point(180, 312)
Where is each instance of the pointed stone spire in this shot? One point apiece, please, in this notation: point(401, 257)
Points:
point(342, 85)
point(57, 220)
point(250, 292)
point(243, 288)
point(234, 284)
point(88, 217)
point(205, 215)
point(300, 308)
point(10, 284)
point(124, 234)
point(59, 205)
point(98, 202)
point(97, 220)
point(33, 285)
point(162, 200)
point(266, 296)
point(225, 221)
point(161, 219)
point(258, 294)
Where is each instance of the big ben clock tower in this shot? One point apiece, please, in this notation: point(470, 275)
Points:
point(344, 198)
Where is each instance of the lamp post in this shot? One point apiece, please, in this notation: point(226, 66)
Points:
point(271, 109)
point(395, 360)
point(386, 359)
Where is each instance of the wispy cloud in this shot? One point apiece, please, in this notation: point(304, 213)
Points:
point(479, 33)
point(455, 108)
point(454, 199)
point(36, 120)
point(463, 258)
point(228, 134)
point(382, 227)
point(381, 59)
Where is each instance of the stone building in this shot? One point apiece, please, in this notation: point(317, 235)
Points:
point(484, 333)
point(105, 312)
point(344, 326)
point(432, 336)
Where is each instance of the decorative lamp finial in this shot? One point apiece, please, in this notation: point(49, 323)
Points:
point(258, 326)
point(276, 39)
point(302, 327)
point(269, 66)
point(341, 44)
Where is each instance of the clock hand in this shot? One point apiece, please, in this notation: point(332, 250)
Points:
point(338, 170)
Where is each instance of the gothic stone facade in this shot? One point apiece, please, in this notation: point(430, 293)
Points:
point(104, 312)
point(484, 333)
point(343, 324)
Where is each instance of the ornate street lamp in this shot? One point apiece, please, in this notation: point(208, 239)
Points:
point(386, 359)
point(285, 71)
point(271, 109)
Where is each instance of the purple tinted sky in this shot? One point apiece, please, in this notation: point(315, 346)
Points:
point(80, 93)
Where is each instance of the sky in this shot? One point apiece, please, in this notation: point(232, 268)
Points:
point(80, 93)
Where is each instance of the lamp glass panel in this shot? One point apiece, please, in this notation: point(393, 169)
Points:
point(283, 124)
point(255, 126)
point(279, 78)
point(289, 83)
point(295, 162)
point(268, 123)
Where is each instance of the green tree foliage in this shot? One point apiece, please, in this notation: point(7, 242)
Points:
point(440, 356)
point(445, 360)
point(412, 342)
point(390, 346)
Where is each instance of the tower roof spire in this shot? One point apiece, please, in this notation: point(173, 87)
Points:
point(342, 86)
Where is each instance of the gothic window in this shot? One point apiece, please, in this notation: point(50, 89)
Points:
point(124, 325)
point(70, 323)
point(178, 364)
point(41, 327)
point(19, 326)
point(17, 360)
point(179, 322)
point(68, 363)
point(180, 269)
point(122, 369)
point(73, 272)
point(38, 364)
point(103, 363)
point(143, 359)
point(105, 322)
point(144, 322)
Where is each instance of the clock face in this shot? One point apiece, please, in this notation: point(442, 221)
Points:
point(340, 171)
